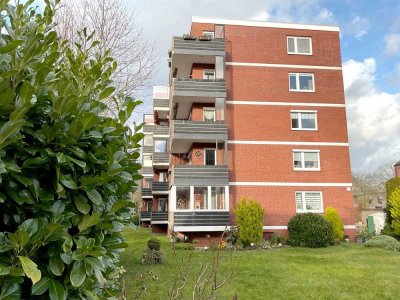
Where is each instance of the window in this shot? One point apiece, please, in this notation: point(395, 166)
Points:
point(303, 120)
point(307, 160)
point(299, 45)
point(200, 198)
point(149, 205)
point(182, 197)
point(209, 34)
point(301, 82)
point(217, 197)
point(309, 202)
point(148, 140)
point(209, 114)
point(147, 161)
point(208, 74)
point(162, 204)
point(210, 158)
point(160, 146)
point(162, 177)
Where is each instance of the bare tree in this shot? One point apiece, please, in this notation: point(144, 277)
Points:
point(116, 28)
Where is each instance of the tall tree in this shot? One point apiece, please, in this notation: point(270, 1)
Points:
point(116, 29)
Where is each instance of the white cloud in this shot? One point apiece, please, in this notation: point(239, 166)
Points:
point(261, 16)
point(373, 117)
point(358, 26)
point(325, 16)
point(392, 44)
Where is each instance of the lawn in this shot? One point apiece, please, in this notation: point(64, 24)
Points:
point(348, 271)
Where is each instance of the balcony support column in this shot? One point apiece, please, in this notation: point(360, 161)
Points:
point(219, 67)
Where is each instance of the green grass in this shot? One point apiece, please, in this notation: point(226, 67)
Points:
point(348, 271)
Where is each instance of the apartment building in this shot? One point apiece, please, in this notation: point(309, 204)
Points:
point(253, 109)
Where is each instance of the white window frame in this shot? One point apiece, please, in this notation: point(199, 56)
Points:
point(298, 82)
point(302, 160)
point(209, 33)
point(299, 112)
point(215, 156)
point(208, 109)
point(295, 45)
point(208, 70)
point(303, 200)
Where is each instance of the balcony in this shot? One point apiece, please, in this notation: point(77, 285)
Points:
point(184, 133)
point(182, 46)
point(161, 101)
point(147, 193)
point(160, 131)
point(160, 188)
point(214, 220)
point(147, 171)
point(160, 160)
point(159, 217)
point(148, 149)
point(186, 175)
point(148, 129)
point(145, 215)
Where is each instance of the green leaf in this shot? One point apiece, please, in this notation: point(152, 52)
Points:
point(80, 163)
point(95, 196)
point(30, 269)
point(10, 291)
point(121, 204)
point(81, 203)
point(39, 288)
point(68, 182)
point(56, 266)
point(78, 274)
point(4, 270)
point(106, 92)
point(56, 291)
point(94, 262)
point(89, 221)
point(19, 239)
point(11, 46)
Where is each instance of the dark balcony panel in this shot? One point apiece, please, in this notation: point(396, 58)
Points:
point(160, 130)
point(201, 218)
point(160, 188)
point(187, 175)
point(160, 160)
point(159, 217)
point(199, 130)
point(147, 193)
point(145, 215)
point(197, 47)
point(148, 149)
point(161, 104)
point(199, 88)
point(148, 128)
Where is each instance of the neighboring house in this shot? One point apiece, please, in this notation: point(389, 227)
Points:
point(254, 109)
point(369, 203)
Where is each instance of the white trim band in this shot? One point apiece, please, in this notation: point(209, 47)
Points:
point(309, 184)
point(244, 64)
point(349, 227)
point(237, 102)
point(263, 24)
point(288, 143)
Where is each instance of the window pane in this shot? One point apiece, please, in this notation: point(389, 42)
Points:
point(310, 159)
point(292, 81)
point(200, 198)
point(291, 48)
point(209, 74)
point(303, 45)
point(162, 177)
point(295, 120)
point(162, 204)
point(209, 114)
point(306, 82)
point(210, 157)
point(297, 159)
point(313, 201)
point(149, 205)
point(308, 120)
point(183, 197)
point(299, 202)
point(217, 198)
point(148, 140)
point(160, 146)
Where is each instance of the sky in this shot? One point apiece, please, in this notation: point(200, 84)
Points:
point(370, 44)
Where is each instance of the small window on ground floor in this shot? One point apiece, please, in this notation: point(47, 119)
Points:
point(309, 201)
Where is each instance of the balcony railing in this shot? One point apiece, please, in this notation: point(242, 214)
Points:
point(161, 104)
point(201, 218)
point(199, 130)
point(148, 129)
point(145, 215)
point(147, 171)
point(148, 149)
point(162, 131)
point(159, 217)
point(198, 47)
point(147, 193)
point(186, 175)
point(187, 87)
point(160, 160)
point(160, 188)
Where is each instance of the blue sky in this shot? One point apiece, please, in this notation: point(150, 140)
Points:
point(370, 42)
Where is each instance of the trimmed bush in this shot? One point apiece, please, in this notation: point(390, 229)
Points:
point(394, 200)
point(383, 241)
point(333, 218)
point(154, 244)
point(309, 230)
point(249, 219)
point(183, 246)
point(152, 257)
